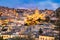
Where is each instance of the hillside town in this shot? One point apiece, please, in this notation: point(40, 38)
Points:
point(28, 22)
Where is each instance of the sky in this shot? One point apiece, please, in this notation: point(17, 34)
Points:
point(31, 4)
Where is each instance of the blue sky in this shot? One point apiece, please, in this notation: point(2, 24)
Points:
point(32, 4)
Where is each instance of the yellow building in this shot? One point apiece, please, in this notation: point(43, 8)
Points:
point(5, 36)
point(31, 19)
point(46, 38)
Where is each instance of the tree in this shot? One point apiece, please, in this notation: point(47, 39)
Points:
point(0, 14)
point(47, 19)
point(40, 31)
point(1, 38)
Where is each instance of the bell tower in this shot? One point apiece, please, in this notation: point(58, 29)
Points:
point(36, 11)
